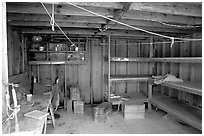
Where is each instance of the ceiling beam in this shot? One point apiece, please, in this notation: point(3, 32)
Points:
point(97, 26)
point(81, 19)
point(36, 8)
point(84, 31)
point(58, 18)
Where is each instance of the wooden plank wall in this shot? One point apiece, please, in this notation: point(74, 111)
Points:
point(15, 52)
point(121, 47)
point(185, 71)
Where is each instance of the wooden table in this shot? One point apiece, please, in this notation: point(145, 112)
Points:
point(28, 124)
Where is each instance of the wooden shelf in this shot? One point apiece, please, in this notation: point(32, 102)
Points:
point(38, 51)
point(55, 62)
point(124, 78)
point(165, 59)
point(179, 59)
point(121, 59)
point(187, 86)
point(180, 110)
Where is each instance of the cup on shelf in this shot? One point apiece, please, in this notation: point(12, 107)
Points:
point(29, 97)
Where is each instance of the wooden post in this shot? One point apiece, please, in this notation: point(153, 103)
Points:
point(109, 83)
point(149, 96)
point(6, 128)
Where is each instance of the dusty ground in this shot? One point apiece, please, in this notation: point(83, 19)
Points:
point(153, 123)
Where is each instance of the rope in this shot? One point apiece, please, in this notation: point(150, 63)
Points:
point(152, 43)
point(178, 25)
point(136, 28)
point(57, 24)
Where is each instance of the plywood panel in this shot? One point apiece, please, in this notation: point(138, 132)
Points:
point(45, 76)
point(96, 70)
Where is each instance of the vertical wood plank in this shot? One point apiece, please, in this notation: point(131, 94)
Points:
point(121, 50)
point(113, 64)
point(132, 67)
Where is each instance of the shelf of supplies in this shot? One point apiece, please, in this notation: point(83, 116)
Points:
point(55, 62)
point(121, 59)
point(187, 86)
point(124, 78)
point(178, 59)
point(180, 110)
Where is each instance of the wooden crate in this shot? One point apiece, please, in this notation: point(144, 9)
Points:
point(102, 111)
point(68, 104)
point(133, 111)
point(78, 107)
point(74, 93)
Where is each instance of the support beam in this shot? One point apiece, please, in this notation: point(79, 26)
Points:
point(93, 32)
point(97, 26)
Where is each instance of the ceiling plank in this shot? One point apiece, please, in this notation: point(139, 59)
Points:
point(33, 8)
point(175, 8)
point(178, 8)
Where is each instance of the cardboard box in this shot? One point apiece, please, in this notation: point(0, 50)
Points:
point(78, 107)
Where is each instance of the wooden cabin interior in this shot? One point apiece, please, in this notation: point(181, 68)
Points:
point(102, 67)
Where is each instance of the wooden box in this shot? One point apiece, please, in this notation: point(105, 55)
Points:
point(102, 111)
point(133, 111)
point(74, 93)
point(69, 106)
point(78, 107)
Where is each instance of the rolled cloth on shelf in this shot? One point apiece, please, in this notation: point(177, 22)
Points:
point(167, 77)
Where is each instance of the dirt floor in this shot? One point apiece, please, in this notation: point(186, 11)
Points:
point(155, 122)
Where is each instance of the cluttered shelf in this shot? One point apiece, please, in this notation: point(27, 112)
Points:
point(141, 78)
point(186, 86)
point(178, 59)
point(180, 110)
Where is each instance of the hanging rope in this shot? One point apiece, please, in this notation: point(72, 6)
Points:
point(57, 24)
point(136, 28)
point(52, 21)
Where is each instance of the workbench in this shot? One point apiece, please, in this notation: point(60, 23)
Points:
point(28, 124)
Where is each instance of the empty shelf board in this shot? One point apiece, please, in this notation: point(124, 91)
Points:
point(180, 110)
point(187, 86)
